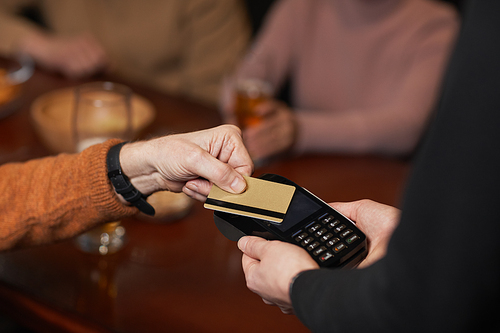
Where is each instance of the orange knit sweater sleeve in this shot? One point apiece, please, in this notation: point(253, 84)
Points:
point(54, 198)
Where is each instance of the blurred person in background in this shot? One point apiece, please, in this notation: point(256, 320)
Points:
point(364, 75)
point(180, 47)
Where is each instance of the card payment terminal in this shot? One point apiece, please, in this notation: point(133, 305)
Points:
point(330, 238)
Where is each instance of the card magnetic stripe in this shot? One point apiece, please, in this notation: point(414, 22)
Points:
point(248, 209)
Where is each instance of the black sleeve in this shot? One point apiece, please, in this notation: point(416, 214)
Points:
point(442, 270)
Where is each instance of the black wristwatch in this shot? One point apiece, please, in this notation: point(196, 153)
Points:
point(122, 184)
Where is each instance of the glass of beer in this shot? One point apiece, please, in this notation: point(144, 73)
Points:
point(102, 111)
point(249, 94)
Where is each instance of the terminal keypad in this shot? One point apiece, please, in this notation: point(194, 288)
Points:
point(325, 237)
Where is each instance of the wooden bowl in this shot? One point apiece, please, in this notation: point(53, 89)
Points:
point(52, 113)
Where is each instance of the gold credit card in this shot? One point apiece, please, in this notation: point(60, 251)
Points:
point(262, 199)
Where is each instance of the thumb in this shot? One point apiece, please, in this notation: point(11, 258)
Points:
point(252, 246)
point(221, 174)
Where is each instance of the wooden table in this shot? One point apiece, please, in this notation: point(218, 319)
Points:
point(178, 277)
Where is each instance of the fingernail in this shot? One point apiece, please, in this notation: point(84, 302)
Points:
point(242, 243)
point(239, 185)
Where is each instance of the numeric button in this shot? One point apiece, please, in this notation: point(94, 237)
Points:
point(301, 237)
point(313, 246)
point(320, 232)
point(326, 237)
point(332, 224)
point(314, 228)
point(307, 241)
point(326, 219)
point(332, 241)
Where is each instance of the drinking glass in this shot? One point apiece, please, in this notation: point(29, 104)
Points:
point(249, 94)
point(102, 111)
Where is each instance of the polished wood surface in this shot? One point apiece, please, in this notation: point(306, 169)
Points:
point(183, 276)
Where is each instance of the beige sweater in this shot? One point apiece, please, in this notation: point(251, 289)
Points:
point(176, 46)
point(54, 198)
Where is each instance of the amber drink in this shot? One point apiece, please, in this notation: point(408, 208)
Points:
point(249, 94)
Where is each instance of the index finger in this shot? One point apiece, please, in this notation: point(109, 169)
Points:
point(220, 173)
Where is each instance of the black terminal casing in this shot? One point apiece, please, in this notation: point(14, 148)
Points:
point(329, 237)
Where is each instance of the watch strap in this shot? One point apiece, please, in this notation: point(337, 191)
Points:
point(122, 184)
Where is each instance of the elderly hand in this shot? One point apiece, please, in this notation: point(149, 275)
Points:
point(189, 162)
point(275, 134)
point(74, 57)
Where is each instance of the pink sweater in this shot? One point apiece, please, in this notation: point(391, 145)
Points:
point(365, 73)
